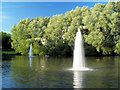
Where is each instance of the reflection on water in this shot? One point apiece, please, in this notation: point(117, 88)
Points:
point(77, 79)
point(42, 72)
point(43, 64)
point(30, 60)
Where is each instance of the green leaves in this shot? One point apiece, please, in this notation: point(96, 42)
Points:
point(25, 33)
point(5, 40)
point(103, 24)
point(100, 27)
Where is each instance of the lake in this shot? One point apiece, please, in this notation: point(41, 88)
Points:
point(53, 72)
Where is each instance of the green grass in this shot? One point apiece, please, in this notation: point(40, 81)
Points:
point(9, 53)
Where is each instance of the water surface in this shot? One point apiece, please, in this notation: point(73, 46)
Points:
point(53, 72)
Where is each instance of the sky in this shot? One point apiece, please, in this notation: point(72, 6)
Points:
point(13, 12)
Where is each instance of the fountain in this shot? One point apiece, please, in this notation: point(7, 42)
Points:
point(30, 52)
point(79, 56)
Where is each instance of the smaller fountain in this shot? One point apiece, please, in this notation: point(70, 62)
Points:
point(30, 52)
point(30, 55)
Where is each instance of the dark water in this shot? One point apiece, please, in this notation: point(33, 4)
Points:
point(49, 72)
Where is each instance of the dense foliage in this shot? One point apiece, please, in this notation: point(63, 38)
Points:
point(100, 27)
point(6, 40)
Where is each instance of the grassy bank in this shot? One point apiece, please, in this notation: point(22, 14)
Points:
point(10, 53)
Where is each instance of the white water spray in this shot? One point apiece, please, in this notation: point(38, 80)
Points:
point(79, 56)
point(30, 52)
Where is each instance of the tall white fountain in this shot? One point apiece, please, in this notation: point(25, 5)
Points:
point(30, 52)
point(79, 55)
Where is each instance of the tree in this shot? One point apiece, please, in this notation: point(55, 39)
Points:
point(100, 28)
point(25, 33)
point(54, 40)
point(102, 24)
point(6, 40)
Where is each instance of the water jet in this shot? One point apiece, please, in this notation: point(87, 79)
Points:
point(79, 55)
point(30, 52)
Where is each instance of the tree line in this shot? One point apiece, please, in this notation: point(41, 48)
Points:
point(5, 38)
point(100, 27)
